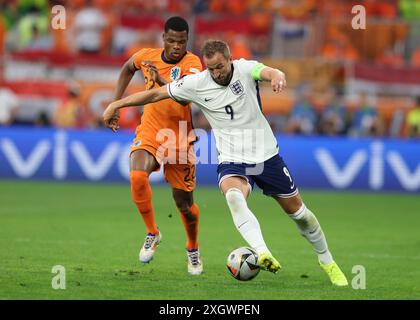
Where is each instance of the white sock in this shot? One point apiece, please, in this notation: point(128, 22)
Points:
point(245, 221)
point(310, 228)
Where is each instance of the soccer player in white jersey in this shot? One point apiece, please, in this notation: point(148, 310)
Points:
point(227, 93)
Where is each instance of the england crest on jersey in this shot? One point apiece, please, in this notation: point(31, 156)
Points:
point(237, 88)
point(175, 73)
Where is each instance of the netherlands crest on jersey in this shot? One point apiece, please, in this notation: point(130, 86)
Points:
point(175, 73)
point(237, 88)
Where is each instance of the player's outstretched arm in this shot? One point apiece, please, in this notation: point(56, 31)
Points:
point(111, 113)
point(126, 74)
point(275, 76)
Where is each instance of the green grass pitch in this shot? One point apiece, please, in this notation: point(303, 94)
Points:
point(95, 232)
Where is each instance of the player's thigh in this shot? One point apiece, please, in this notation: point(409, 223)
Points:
point(237, 182)
point(290, 204)
point(180, 176)
point(276, 179)
point(143, 160)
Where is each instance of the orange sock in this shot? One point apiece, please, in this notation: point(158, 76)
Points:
point(191, 226)
point(142, 196)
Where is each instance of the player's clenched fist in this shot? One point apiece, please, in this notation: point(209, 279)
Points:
point(111, 116)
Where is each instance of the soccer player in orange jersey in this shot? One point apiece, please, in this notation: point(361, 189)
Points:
point(153, 145)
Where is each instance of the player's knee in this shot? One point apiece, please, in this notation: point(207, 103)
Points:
point(139, 182)
point(184, 207)
point(183, 201)
point(292, 205)
point(235, 199)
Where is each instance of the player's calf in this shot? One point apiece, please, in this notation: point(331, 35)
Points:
point(190, 216)
point(142, 196)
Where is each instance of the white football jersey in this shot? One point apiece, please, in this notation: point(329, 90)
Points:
point(241, 131)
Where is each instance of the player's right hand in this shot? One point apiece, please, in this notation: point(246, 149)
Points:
point(154, 73)
point(278, 83)
point(111, 116)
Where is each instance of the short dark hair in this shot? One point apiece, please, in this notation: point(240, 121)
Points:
point(176, 24)
point(211, 47)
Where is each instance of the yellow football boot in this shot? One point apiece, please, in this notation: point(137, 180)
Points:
point(267, 262)
point(335, 274)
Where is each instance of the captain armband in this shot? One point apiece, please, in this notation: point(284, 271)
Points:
point(256, 71)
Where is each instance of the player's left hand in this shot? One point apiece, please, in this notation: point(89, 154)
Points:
point(111, 116)
point(279, 82)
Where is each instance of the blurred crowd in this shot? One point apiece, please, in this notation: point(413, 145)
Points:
point(333, 116)
point(338, 115)
point(297, 29)
point(352, 116)
point(93, 26)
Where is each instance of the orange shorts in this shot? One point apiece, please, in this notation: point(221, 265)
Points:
point(178, 168)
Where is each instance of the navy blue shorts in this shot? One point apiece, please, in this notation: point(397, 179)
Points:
point(272, 176)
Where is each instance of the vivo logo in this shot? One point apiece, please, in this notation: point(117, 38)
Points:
point(376, 158)
point(62, 148)
point(63, 155)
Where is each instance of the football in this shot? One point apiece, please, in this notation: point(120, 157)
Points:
point(242, 264)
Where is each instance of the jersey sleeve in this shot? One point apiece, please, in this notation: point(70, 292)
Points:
point(138, 57)
point(252, 67)
point(183, 89)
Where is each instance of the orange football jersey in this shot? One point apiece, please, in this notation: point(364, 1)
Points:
point(165, 114)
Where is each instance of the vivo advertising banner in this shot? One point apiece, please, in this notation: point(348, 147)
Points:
point(314, 162)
